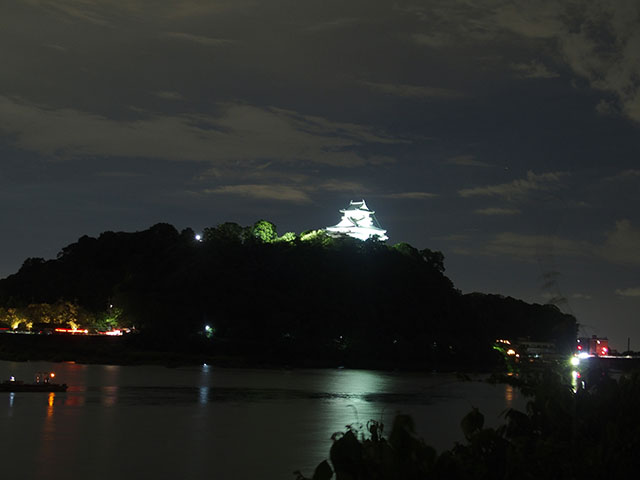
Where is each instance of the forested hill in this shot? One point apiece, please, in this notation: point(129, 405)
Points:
point(306, 294)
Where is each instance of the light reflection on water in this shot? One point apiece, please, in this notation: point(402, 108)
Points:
point(207, 422)
point(509, 393)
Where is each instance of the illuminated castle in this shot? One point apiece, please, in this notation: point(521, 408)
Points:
point(358, 222)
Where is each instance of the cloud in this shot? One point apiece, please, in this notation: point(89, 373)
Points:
point(516, 188)
point(433, 39)
point(73, 10)
point(238, 133)
point(608, 108)
point(411, 195)
point(202, 40)
point(344, 22)
point(167, 95)
point(630, 174)
point(412, 91)
point(622, 245)
point(581, 296)
point(56, 47)
point(534, 69)
point(467, 161)
point(263, 192)
point(598, 40)
point(343, 186)
point(629, 292)
point(531, 247)
point(497, 211)
point(603, 46)
point(118, 174)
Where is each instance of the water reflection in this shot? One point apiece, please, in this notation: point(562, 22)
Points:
point(576, 381)
point(75, 399)
point(204, 395)
point(110, 395)
point(509, 393)
point(192, 418)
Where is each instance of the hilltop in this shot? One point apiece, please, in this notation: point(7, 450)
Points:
point(246, 292)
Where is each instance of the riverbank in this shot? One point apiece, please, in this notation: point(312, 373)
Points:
point(139, 350)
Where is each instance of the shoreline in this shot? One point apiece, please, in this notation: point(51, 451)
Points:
point(125, 351)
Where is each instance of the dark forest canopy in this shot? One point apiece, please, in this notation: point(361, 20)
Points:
point(309, 294)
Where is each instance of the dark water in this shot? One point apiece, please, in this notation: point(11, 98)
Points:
point(212, 423)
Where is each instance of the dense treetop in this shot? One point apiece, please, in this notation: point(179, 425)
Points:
point(308, 292)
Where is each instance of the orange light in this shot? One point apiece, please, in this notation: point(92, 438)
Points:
point(52, 374)
point(71, 330)
point(511, 351)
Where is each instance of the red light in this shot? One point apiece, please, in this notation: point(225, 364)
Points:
point(579, 347)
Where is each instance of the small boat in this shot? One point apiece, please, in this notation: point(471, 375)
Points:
point(42, 383)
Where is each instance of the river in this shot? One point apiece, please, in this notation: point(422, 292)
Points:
point(204, 422)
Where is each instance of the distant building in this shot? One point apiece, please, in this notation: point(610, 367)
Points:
point(593, 346)
point(358, 222)
point(536, 349)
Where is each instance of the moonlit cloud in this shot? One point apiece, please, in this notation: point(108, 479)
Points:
point(283, 193)
point(82, 10)
point(586, 42)
point(534, 69)
point(411, 195)
point(56, 47)
point(497, 211)
point(628, 292)
point(201, 39)
point(413, 91)
point(343, 186)
point(622, 245)
point(170, 95)
point(467, 161)
point(334, 24)
point(532, 247)
point(630, 174)
point(581, 296)
point(517, 188)
point(239, 133)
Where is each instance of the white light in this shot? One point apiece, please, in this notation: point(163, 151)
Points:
point(575, 361)
point(207, 328)
point(358, 222)
point(583, 355)
point(198, 237)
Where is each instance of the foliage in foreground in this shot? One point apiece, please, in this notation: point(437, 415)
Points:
point(592, 434)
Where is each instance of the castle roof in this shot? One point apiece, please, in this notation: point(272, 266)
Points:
point(360, 206)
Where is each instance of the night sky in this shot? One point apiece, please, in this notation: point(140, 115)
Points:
point(504, 134)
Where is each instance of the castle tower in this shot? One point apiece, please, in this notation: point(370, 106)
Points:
point(358, 222)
